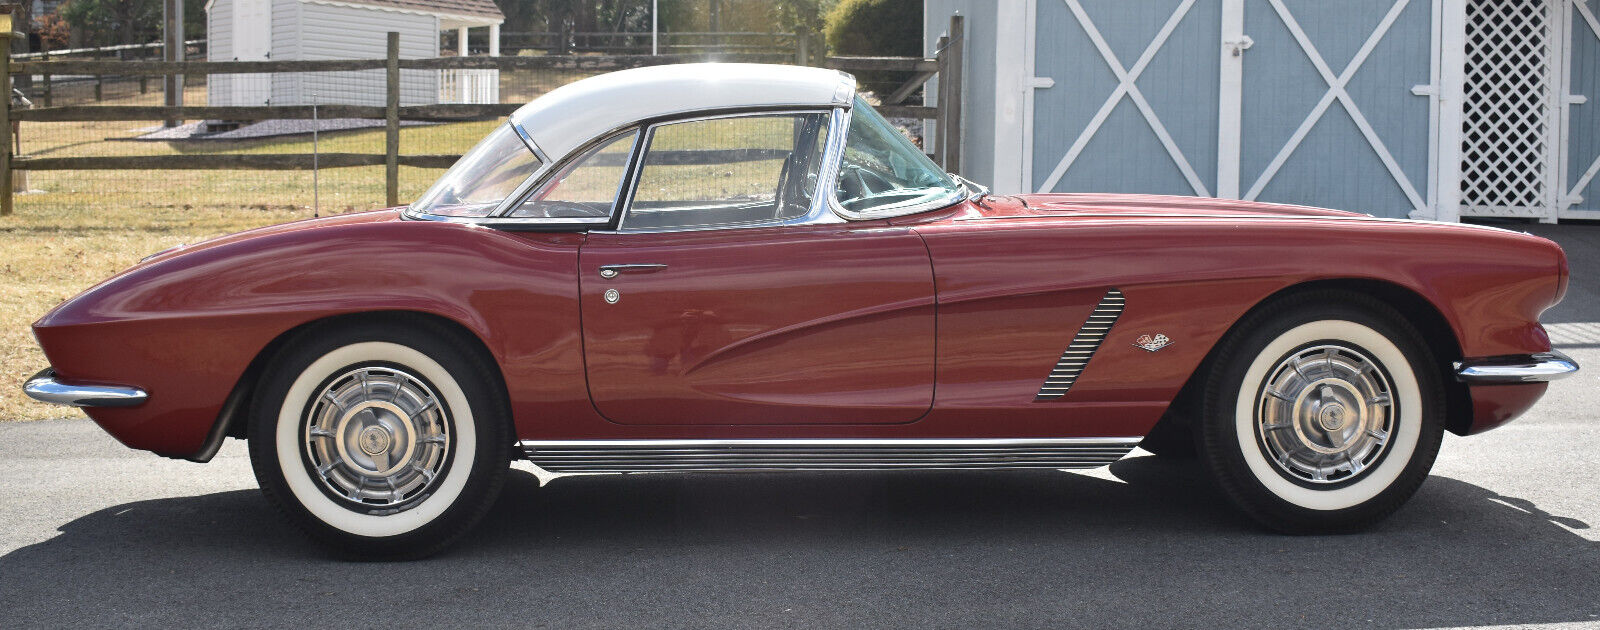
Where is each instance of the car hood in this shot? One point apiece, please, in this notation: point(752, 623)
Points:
point(194, 254)
point(1065, 209)
point(388, 214)
point(1103, 205)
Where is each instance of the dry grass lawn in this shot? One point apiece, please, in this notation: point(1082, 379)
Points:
point(77, 228)
point(50, 257)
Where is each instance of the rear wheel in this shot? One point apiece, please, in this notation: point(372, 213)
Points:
point(380, 441)
point(1323, 413)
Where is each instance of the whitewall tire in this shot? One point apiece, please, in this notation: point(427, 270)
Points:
point(385, 440)
point(1322, 413)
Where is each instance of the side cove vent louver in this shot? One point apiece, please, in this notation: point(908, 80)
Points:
point(1088, 339)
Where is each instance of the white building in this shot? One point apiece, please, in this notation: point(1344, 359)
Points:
point(258, 30)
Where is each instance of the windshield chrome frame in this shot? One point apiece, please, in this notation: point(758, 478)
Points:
point(539, 179)
point(528, 185)
point(528, 140)
point(895, 210)
point(516, 193)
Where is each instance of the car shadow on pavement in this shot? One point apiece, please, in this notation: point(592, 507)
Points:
point(1152, 544)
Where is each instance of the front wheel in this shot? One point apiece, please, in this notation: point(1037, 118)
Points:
point(380, 441)
point(1323, 413)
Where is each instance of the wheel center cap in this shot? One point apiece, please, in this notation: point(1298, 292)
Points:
point(374, 440)
point(1332, 417)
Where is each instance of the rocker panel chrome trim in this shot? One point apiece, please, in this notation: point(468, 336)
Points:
point(823, 454)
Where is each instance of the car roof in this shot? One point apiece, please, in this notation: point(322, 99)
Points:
point(570, 116)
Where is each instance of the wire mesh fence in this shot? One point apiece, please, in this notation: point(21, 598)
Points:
point(92, 133)
point(635, 43)
point(89, 116)
point(47, 90)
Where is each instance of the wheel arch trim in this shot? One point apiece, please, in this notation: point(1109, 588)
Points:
point(232, 419)
point(1437, 331)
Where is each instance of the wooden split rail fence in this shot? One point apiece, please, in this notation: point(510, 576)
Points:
point(946, 64)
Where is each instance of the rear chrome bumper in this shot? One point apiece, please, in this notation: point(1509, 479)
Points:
point(44, 387)
point(1527, 368)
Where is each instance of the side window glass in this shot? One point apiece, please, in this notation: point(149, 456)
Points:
point(728, 171)
point(584, 188)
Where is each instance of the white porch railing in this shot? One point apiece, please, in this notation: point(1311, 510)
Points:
point(469, 86)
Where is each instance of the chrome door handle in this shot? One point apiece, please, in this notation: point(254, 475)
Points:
point(611, 271)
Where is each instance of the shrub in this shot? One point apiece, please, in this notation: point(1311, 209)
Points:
point(877, 28)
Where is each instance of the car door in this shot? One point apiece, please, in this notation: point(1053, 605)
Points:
point(725, 297)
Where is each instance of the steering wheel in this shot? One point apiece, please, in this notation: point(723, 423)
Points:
point(784, 187)
point(555, 209)
point(854, 181)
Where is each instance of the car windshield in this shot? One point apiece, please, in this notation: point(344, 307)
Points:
point(482, 178)
point(883, 172)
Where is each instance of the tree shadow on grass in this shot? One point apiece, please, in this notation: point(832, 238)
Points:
point(1156, 546)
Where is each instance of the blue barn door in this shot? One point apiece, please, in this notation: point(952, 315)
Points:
point(1337, 109)
point(1133, 104)
point(1581, 174)
point(1298, 101)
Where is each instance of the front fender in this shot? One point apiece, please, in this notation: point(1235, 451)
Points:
point(185, 325)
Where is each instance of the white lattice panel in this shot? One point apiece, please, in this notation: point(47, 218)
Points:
point(1506, 150)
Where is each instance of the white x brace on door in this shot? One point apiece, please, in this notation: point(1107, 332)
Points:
point(1337, 91)
point(1127, 88)
point(1120, 102)
point(1323, 103)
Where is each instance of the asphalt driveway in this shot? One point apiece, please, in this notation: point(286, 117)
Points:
point(1505, 532)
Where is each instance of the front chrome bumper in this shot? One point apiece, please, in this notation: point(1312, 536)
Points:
point(44, 387)
point(1528, 368)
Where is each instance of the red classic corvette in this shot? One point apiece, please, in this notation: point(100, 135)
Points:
point(736, 267)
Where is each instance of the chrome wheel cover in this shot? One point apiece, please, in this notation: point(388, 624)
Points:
point(1325, 414)
point(377, 437)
